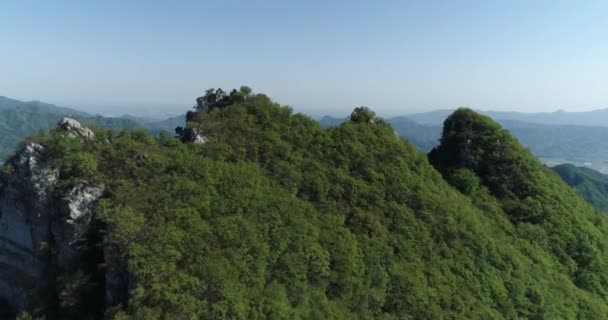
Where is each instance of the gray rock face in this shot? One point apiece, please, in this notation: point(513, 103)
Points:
point(192, 135)
point(25, 223)
point(75, 212)
point(75, 129)
point(199, 139)
point(38, 228)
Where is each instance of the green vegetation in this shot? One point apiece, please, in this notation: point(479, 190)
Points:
point(275, 217)
point(543, 209)
point(590, 184)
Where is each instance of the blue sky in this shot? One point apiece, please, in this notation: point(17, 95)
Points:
point(321, 57)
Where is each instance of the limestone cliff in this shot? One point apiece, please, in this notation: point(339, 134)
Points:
point(40, 228)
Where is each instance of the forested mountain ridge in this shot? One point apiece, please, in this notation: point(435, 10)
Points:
point(550, 142)
point(590, 184)
point(479, 157)
point(272, 216)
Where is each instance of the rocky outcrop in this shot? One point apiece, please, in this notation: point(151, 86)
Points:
point(73, 217)
point(192, 135)
point(75, 129)
point(199, 138)
point(25, 218)
point(39, 228)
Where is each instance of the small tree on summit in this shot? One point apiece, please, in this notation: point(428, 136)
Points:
point(213, 99)
point(362, 115)
point(219, 99)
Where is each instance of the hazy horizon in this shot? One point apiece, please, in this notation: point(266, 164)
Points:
point(396, 58)
point(165, 113)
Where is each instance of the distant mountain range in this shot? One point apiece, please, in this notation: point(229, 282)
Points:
point(590, 184)
point(19, 119)
point(587, 118)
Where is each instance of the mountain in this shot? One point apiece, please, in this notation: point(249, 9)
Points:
point(44, 108)
point(586, 118)
point(551, 143)
point(590, 184)
point(558, 143)
point(484, 161)
point(19, 120)
point(269, 215)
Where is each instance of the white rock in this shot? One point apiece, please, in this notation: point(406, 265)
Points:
point(199, 139)
point(76, 129)
point(80, 204)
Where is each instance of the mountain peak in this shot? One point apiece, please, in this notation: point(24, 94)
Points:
point(475, 142)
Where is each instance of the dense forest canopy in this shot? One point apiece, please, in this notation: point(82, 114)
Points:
point(275, 217)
